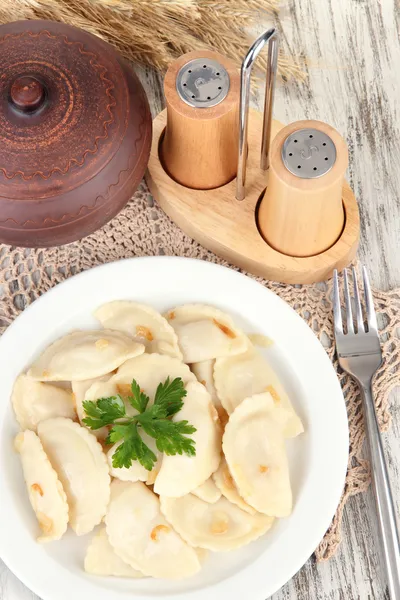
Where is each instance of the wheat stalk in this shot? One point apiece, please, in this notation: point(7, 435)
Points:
point(156, 32)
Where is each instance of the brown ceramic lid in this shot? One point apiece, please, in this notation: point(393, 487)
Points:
point(75, 133)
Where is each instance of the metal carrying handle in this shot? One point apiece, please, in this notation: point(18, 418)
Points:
point(271, 36)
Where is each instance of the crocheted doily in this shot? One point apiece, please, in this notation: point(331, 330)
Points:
point(142, 229)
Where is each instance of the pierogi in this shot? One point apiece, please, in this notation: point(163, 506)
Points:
point(208, 491)
point(140, 535)
point(81, 465)
point(154, 380)
point(227, 487)
point(204, 332)
point(142, 323)
point(243, 375)
point(149, 369)
point(204, 372)
point(254, 448)
point(34, 401)
point(45, 491)
point(100, 559)
point(181, 474)
point(221, 526)
point(84, 355)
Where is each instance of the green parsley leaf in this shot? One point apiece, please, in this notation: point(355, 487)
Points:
point(170, 436)
point(155, 420)
point(103, 412)
point(138, 400)
point(169, 398)
point(118, 432)
point(132, 448)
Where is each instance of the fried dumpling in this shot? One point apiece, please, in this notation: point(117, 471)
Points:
point(204, 332)
point(141, 322)
point(208, 491)
point(101, 559)
point(141, 536)
point(45, 491)
point(34, 401)
point(181, 474)
point(241, 376)
point(254, 448)
point(82, 468)
point(204, 372)
point(224, 483)
point(84, 355)
point(149, 370)
point(221, 526)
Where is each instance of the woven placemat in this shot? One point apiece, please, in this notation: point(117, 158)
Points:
point(142, 229)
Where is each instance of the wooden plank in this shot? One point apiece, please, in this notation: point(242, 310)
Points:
point(357, 44)
point(353, 48)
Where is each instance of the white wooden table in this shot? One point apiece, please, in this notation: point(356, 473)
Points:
point(353, 47)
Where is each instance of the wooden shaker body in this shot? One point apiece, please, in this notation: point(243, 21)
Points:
point(200, 146)
point(303, 217)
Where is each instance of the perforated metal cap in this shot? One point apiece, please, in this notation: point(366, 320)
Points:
point(202, 83)
point(308, 153)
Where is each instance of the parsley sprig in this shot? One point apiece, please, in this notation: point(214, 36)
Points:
point(155, 420)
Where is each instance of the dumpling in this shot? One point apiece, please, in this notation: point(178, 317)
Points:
point(204, 372)
point(208, 491)
point(34, 401)
point(202, 555)
point(204, 332)
point(141, 322)
point(241, 376)
point(149, 370)
point(79, 389)
point(46, 493)
point(181, 474)
point(221, 526)
point(141, 536)
point(84, 355)
point(101, 559)
point(254, 449)
point(260, 340)
point(103, 387)
point(224, 483)
point(82, 468)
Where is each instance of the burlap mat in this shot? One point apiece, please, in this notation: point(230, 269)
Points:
point(142, 229)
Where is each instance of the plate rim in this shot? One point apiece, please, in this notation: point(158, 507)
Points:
point(197, 594)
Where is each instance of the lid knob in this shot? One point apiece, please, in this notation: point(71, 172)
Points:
point(27, 93)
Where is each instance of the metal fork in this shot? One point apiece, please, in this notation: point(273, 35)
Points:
point(359, 353)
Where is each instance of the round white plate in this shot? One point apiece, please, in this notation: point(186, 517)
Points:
point(318, 458)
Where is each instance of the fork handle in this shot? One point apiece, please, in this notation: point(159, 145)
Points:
point(383, 495)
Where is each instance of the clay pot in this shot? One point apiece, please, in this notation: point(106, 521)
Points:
point(75, 133)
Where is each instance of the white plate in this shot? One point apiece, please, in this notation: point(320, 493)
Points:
point(318, 458)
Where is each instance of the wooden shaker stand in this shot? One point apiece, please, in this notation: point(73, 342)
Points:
point(287, 228)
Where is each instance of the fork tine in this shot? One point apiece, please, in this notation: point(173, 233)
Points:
point(347, 300)
point(369, 302)
point(337, 313)
point(359, 317)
